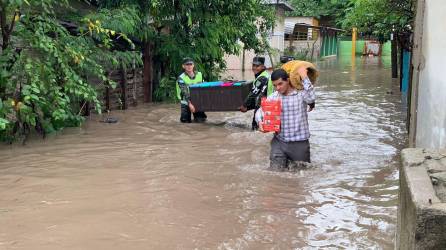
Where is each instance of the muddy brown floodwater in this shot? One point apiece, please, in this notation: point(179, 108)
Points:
point(149, 182)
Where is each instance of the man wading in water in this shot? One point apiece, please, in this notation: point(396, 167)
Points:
point(291, 144)
point(188, 77)
point(261, 87)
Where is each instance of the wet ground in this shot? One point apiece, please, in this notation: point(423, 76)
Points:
point(149, 182)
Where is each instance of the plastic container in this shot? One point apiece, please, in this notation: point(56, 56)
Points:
point(205, 84)
point(227, 84)
point(219, 98)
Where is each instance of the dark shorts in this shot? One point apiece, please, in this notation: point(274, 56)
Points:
point(282, 153)
point(186, 115)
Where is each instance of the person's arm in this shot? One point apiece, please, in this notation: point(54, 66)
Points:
point(258, 116)
point(185, 94)
point(308, 91)
point(251, 99)
point(184, 91)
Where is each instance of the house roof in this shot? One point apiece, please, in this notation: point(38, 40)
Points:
point(282, 3)
point(290, 27)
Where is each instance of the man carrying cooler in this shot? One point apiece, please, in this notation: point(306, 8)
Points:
point(188, 77)
point(261, 87)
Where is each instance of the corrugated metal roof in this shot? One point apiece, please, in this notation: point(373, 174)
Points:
point(290, 27)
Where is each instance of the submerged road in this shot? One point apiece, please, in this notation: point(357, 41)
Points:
point(149, 182)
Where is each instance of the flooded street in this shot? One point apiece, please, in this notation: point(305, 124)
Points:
point(149, 182)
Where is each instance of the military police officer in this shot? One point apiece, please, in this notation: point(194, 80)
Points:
point(261, 87)
point(188, 77)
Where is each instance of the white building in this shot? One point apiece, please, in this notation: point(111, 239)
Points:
point(276, 41)
point(427, 127)
point(301, 34)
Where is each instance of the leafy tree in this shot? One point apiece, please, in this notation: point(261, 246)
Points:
point(380, 17)
point(203, 30)
point(45, 68)
point(47, 60)
point(376, 18)
point(320, 8)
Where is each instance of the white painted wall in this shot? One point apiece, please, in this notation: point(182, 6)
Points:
point(431, 112)
point(277, 37)
point(276, 41)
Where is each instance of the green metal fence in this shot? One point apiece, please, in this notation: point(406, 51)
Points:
point(342, 46)
point(329, 46)
point(345, 47)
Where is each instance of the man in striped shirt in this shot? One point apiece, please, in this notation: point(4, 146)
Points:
point(291, 143)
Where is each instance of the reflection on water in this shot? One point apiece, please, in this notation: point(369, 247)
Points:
point(149, 182)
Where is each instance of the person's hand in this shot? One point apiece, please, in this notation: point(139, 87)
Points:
point(261, 127)
point(191, 107)
point(303, 72)
point(243, 109)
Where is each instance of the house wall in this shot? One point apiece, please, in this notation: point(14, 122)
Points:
point(421, 210)
point(277, 37)
point(276, 41)
point(431, 107)
point(311, 45)
point(345, 47)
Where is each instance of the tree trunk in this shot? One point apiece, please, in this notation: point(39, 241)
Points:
point(124, 87)
point(148, 72)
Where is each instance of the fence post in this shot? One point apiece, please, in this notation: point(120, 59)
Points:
point(354, 34)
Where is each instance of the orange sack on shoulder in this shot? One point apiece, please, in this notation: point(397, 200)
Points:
point(291, 68)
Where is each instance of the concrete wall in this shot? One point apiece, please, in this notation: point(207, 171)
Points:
point(431, 107)
point(421, 213)
point(422, 203)
point(307, 45)
point(345, 47)
point(235, 62)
